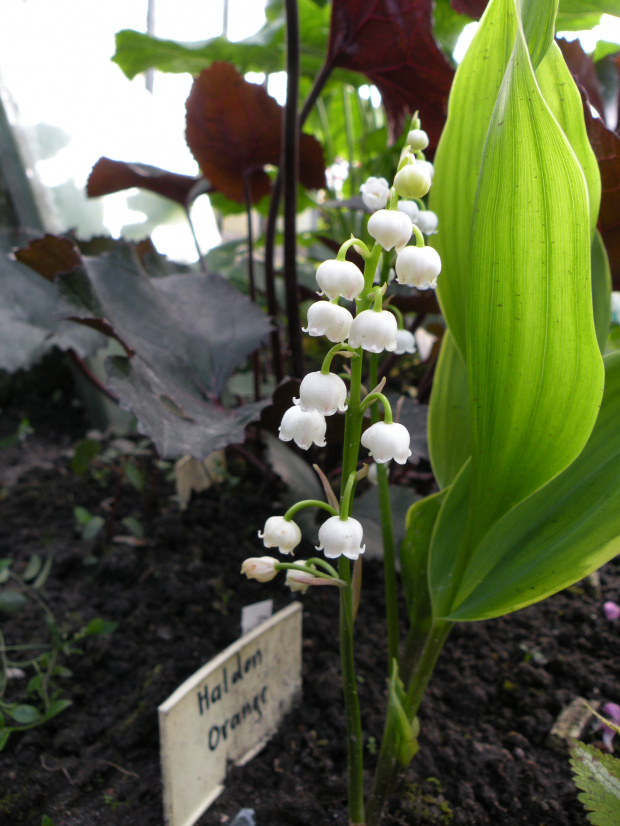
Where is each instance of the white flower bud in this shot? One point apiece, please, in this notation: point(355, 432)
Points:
point(386, 441)
point(418, 267)
point(375, 193)
point(410, 208)
point(417, 139)
point(327, 319)
point(405, 342)
point(374, 331)
point(343, 278)
point(427, 222)
point(390, 228)
point(341, 536)
point(413, 181)
point(303, 428)
point(325, 392)
point(280, 533)
point(260, 568)
point(428, 166)
point(300, 580)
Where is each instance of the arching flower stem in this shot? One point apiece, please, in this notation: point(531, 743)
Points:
point(419, 238)
point(309, 503)
point(371, 398)
point(345, 501)
point(333, 351)
point(306, 569)
point(353, 242)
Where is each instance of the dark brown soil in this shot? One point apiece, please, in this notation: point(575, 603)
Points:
point(496, 692)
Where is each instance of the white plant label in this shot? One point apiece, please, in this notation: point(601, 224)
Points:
point(227, 711)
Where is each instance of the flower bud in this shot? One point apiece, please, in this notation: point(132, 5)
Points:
point(410, 208)
point(374, 331)
point(325, 392)
point(327, 319)
point(417, 139)
point(413, 181)
point(343, 278)
point(300, 580)
point(427, 222)
point(428, 166)
point(260, 568)
point(386, 441)
point(418, 267)
point(281, 533)
point(390, 228)
point(341, 536)
point(375, 193)
point(303, 428)
point(405, 342)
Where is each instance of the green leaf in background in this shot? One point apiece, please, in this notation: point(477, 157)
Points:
point(535, 371)
point(557, 536)
point(580, 15)
point(598, 777)
point(449, 432)
point(25, 714)
point(11, 600)
point(448, 25)
point(414, 556)
point(601, 291)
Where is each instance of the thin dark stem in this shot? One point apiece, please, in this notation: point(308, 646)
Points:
point(201, 260)
point(79, 361)
point(290, 167)
point(317, 87)
point(270, 280)
point(247, 191)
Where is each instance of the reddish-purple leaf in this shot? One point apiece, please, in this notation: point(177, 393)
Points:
point(234, 130)
point(606, 145)
point(472, 8)
point(50, 256)
point(109, 176)
point(391, 43)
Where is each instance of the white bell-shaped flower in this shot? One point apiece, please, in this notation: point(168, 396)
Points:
point(427, 222)
point(386, 441)
point(339, 537)
point(405, 342)
point(304, 428)
point(417, 139)
point(374, 331)
point(410, 208)
point(418, 266)
point(325, 392)
point(375, 193)
point(412, 181)
point(327, 319)
point(343, 278)
point(281, 533)
point(390, 228)
point(261, 568)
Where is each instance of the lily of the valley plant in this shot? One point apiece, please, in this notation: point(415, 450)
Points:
point(523, 418)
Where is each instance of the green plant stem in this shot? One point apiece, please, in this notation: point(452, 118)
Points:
point(389, 550)
point(351, 700)
point(388, 767)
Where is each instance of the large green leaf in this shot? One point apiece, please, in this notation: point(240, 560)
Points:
point(459, 154)
point(449, 432)
point(576, 15)
point(414, 555)
point(535, 371)
point(560, 534)
point(563, 99)
point(601, 290)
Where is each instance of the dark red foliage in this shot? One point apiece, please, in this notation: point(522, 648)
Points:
point(234, 130)
point(109, 176)
point(50, 256)
point(472, 8)
point(391, 42)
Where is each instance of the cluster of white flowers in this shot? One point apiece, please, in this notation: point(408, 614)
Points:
point(375, 330)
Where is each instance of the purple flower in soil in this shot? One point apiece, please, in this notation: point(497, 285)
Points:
point(612, 712)
point(611, 610)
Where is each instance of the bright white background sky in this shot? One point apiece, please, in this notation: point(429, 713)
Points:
point(55, 66)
